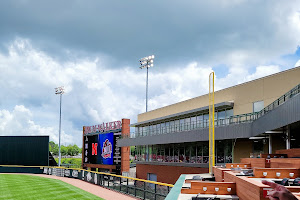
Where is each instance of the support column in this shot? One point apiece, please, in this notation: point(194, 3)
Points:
point(288, 137)
point(270, 143)
point(125, 153)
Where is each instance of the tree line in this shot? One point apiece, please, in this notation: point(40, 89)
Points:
point(70, 150)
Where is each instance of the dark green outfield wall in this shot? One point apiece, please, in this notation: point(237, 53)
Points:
point(24, 150)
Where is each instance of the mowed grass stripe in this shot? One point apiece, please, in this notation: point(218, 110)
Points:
point(24, 187)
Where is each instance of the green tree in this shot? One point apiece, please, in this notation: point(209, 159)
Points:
point(63, 150)
point(51, 146)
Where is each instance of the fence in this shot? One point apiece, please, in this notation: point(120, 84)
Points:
point(139, 188)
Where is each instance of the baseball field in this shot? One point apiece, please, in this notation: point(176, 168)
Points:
point(25, 187)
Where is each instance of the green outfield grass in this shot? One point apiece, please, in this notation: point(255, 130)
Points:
point(21, 187)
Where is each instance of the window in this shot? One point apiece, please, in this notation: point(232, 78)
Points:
point(205, 120)
point(221, 118)
point(200, 121)
point(172, 129)
point(167, 127)
point(193, 122)
point(258, 106)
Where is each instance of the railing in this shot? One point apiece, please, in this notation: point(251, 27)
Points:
point(236, 119)
point(143, 189)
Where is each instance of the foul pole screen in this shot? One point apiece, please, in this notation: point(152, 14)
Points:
point(211, 121)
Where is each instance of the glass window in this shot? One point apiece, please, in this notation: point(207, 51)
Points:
point(177, 125)
point(154, 152)
point(154, 131)
point(200, 121)
point(228, 151)
point(258, 106)
point(158, 130)
point(143, 153)
point(167, 127)
point(193, 153)
point(181, 153)
point(167, 153)
point(205, 120)
point(221, 117)
point(172, 129)
point(162, 127)
point(187, 153)
point(220, 158)
point(193, 122)
point(171, 153)
point(150, 153)
point(199, 153)
point(176, 151)
point(150, 130)
point(229, 113)
point(187, 122)
point(181, 124)
point(205, 152)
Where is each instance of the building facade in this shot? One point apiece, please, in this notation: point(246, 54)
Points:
point(258, 116)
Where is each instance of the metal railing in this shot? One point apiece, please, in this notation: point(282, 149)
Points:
point(236, 119)
point(140, 188)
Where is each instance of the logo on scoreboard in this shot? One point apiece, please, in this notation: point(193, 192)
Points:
point(106, 149)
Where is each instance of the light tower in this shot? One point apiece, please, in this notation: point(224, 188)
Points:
point(146, 62)
point(59, 90)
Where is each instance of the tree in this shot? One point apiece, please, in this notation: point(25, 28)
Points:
point(72, 150)
point(51, 146)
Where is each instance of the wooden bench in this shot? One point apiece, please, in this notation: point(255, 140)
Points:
point(238, 165)
point(266, 155)
point(278, 173)
point(215, 188)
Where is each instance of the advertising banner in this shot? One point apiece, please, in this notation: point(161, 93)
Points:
point(106, 145)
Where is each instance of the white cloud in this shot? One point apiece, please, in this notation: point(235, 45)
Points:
point(262, 71)
point(94, 93)
point(19, 122)
point(297, 64)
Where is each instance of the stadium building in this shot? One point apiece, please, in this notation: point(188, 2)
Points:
point(259, 116)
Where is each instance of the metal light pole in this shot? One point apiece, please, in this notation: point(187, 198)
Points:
point(146, 62)
point(59, 90)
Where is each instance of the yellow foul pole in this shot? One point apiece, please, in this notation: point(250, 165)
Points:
point(211, 121)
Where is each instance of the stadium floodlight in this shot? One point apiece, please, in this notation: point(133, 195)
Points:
point(146, 62)
point(59, 90)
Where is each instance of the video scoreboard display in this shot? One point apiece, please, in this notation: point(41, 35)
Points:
point(101, 149)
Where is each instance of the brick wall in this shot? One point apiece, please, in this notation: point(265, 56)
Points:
point(166, 174)
point(125, 151)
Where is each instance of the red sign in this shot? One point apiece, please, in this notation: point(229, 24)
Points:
point(109, 126)
point(94, 148)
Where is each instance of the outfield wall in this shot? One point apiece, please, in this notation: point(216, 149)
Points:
point(24, 150)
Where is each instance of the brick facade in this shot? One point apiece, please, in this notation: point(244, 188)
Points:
point(166, 174)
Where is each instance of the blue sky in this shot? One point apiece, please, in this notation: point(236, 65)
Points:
point(93, 47)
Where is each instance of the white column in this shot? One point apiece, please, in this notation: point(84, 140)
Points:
point(288, 137)
point(270, 144)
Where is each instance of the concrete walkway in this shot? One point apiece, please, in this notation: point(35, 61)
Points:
point(91, 188)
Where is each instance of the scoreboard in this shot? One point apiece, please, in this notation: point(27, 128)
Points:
point(99, 143)
point(101, 149)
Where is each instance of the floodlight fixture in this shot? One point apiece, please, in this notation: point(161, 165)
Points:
point(146, 62)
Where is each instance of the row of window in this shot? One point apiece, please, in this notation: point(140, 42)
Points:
point(194, 152)
point(189, 123)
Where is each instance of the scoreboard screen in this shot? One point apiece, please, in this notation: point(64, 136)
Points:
point(99, 148)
